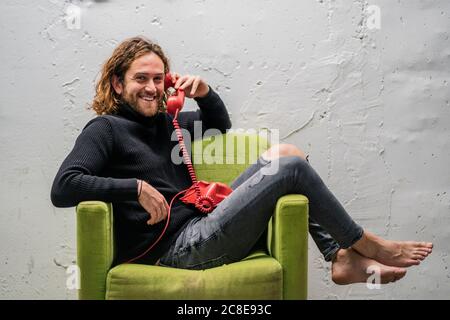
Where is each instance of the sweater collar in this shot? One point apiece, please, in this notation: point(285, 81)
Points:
point(126, 111)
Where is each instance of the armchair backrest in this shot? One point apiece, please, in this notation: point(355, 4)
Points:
point(222, 158)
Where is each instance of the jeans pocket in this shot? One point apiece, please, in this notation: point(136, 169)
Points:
point(257, 177)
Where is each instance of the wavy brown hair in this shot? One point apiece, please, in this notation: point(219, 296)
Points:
point(106, 100)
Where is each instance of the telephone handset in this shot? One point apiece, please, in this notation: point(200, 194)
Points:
point(175, 101)
point(205, 196)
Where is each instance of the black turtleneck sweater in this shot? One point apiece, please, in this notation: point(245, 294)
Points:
point(114, 151)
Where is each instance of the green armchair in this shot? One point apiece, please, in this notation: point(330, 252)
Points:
point(278, 273)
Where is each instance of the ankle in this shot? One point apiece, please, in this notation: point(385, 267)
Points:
point(368, 245)
point(342, 256)
point(335, 254)
point(339, 254)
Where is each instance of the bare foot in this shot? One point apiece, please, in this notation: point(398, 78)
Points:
point(392, 253)
point(351, 267)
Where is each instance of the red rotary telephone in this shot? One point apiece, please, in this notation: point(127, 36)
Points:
point(203, 195)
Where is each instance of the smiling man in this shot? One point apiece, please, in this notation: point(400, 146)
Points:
point(123, 156)
point(143, 84)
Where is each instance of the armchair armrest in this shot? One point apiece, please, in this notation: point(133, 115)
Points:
point(288, 243)
point(95, 250)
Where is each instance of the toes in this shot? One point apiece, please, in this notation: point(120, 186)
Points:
point(419, 257)
point(388, 278)
point(422, 251)
point(428, 245)
point(393, 275)
point(400, 272)
point(413, 262)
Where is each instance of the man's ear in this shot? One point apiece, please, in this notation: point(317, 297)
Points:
point(117, 84)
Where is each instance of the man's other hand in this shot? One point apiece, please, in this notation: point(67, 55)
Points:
point(153, 202)
point(193, 86)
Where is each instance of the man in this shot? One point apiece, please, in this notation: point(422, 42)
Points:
point(123, 156)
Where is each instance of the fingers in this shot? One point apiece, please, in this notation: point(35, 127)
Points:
point(175, 77)
point(166, 206)
point(163, 210)
point(154, 203)
point(155, 213)
point(195, 85)
point(190, 84)
point(159, 211)
point(184, 81)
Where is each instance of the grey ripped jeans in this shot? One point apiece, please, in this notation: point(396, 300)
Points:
point(238, 223)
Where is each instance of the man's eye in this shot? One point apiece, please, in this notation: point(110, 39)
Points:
point(140, 78)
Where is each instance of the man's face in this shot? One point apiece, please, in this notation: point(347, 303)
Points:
point(143, 86)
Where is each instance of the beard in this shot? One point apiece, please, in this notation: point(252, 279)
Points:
point(144, 107)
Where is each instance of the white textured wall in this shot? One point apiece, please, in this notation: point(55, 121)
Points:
point(371, 107)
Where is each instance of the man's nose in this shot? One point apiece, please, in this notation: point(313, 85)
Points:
point(150, 86)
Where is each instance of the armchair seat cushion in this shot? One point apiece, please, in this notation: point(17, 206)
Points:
point(259, 276)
